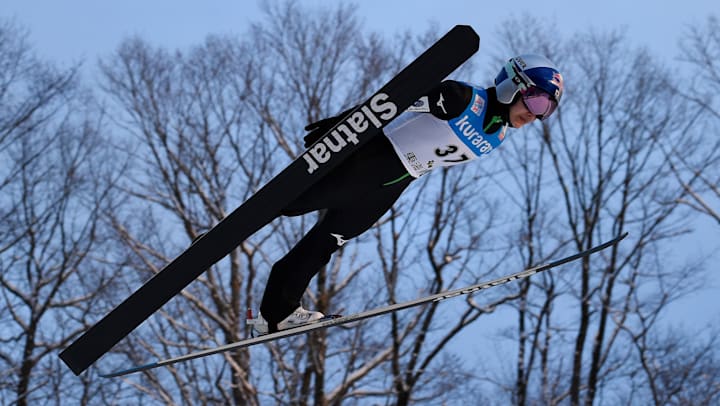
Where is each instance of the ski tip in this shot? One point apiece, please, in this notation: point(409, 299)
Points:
point(620, 237)
point(611, 242)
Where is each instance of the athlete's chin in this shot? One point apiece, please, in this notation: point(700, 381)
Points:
point(519, 122)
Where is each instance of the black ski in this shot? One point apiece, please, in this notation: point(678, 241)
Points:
point(364, 122)
point(368, 314)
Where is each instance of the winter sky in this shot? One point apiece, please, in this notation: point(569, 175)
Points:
point(71, 31)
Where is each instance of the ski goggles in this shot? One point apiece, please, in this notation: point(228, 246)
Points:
point(538, 102)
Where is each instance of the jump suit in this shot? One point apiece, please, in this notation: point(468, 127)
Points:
point(360, 190)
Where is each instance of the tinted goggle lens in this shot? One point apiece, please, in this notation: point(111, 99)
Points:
point(539, 103)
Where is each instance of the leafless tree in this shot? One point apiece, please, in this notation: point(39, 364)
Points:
point(196, 132)
point(51, 234)
point(595, 170)
point(185, 124)
point(30, 95)
point(675, 367)
point(206, 128)
point(696, 166)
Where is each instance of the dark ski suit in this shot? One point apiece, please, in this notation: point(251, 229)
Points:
point(361, 189)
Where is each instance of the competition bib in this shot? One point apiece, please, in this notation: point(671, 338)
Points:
point(424, 142)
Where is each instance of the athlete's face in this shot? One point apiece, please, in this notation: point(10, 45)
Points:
point(519, 114)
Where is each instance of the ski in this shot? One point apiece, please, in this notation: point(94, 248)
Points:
point(358, 126)
point(336, 321)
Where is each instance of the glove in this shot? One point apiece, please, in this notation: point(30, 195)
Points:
point(320, 127)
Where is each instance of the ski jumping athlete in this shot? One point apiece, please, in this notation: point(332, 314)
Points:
point(453, 124)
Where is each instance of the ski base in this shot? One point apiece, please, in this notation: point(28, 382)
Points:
point(336, 321)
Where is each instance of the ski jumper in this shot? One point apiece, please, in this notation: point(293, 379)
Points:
point(453, 124)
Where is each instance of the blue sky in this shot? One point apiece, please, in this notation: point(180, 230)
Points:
point(71, 30)
point(82, 30)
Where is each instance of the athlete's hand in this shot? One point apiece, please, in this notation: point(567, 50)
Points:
point(318, 128)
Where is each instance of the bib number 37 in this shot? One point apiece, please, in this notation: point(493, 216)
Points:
point(447, 154)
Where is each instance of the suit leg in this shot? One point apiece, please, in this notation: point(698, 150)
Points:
point(291, 275)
